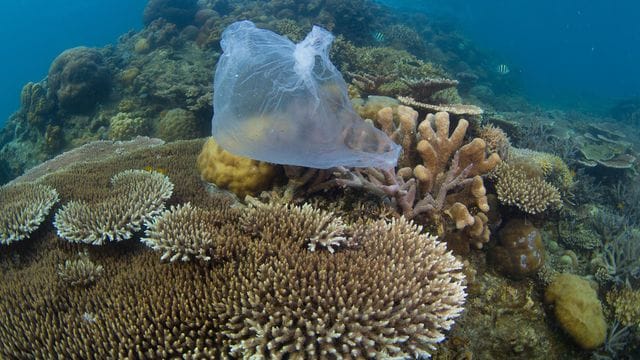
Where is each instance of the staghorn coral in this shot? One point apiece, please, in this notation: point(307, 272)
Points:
point(136, 197)
point(240, 175)
point(531, 195)
point(80, 272)
point(23, 207)
point(185, 232)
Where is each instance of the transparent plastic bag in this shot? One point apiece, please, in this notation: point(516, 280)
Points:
point(286, 103)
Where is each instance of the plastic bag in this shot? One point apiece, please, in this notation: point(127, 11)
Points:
point(286, 103)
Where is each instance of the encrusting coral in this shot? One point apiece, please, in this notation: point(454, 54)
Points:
point(136, 197)
point(23, 207)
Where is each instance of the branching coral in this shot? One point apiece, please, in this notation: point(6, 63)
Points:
point(626, 305)
point(447, 179)
point(347, 305)
point(532, 195)
point(137, 196)
point(318, 228)
point(23, 207)
point(185, 232)
point(393, 295)
point(80, 272)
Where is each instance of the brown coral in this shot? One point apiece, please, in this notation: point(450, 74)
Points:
point(79, 78)
point(399, 288)
point(137, 196)
point(23, 207)
point(185, 232)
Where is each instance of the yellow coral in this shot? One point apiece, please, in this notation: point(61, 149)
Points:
point(578, 310)
point(240, 175)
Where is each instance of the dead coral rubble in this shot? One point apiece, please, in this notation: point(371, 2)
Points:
point(23, 207)
point(137, 196)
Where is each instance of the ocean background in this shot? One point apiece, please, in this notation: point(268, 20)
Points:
point(34, 32)
point(565, 54)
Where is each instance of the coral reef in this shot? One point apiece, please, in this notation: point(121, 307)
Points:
point(602, 145)
point(35, 105)
point(240, 175)
point(393, 293)
point(520, 251)
point(626, 305)
point(136, 197)
point(23, 207)
point(78, 79)
point(577, 310)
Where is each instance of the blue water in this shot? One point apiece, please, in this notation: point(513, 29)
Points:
point(34, 32)
point(566, 53)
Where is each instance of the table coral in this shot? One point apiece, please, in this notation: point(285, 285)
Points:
point(23, 207)
point(137, 196)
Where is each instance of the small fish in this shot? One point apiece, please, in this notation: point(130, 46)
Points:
point(378, 36)
point(503, 69)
